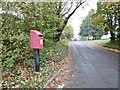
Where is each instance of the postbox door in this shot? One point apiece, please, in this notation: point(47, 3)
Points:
point(36, 39)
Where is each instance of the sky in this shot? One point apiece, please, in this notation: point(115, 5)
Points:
point(79, 15)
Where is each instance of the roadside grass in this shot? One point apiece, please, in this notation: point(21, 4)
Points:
point(113, 44)
point(108, 44)
point(65, 41)
point(101, 42)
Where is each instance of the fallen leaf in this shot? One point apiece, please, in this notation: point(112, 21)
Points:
point(40, 79)
point(52, 85)
point(56, 79)
point(9, 79)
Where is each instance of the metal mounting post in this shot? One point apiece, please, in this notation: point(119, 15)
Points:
point(37, 62)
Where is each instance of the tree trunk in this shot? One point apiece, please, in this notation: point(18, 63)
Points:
point(118, 36)
point(60, 29)
point(112, 38)
point(57, 37)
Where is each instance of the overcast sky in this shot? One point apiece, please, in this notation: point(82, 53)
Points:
point(78, 16)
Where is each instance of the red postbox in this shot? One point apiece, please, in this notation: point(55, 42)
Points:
point(36, 39)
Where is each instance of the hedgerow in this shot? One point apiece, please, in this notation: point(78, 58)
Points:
point(18, 59)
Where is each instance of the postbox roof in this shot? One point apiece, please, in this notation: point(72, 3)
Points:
point(37, 32)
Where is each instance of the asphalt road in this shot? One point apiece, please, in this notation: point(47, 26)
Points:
point(93, 67)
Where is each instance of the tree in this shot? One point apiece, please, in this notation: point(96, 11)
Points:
point(36, 15)
point(67, 32)
point(65, 10)
point(88, 29)
point(107, 17)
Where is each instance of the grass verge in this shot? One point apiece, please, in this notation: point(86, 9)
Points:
point(113, 45)
point(109, 45)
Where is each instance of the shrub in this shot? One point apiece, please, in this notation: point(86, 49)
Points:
point(113, 44)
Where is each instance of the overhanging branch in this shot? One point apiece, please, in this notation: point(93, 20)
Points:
point(68, 9)
point(78, 5)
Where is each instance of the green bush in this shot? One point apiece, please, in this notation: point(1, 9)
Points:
point(114, 44)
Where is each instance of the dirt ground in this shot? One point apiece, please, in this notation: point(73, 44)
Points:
point(63, 78)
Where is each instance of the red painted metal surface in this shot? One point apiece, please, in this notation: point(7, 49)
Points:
point(36, 39)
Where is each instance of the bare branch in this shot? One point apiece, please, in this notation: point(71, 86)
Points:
point(64, 5)
point(78, 5)
point(68, 9)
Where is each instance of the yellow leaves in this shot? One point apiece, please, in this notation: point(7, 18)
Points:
point(108, 4)
point(22, 82)
point(24, 74)
point(33, 85)
point(57, 54)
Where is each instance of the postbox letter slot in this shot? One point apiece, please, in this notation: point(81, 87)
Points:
point(40, 35)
